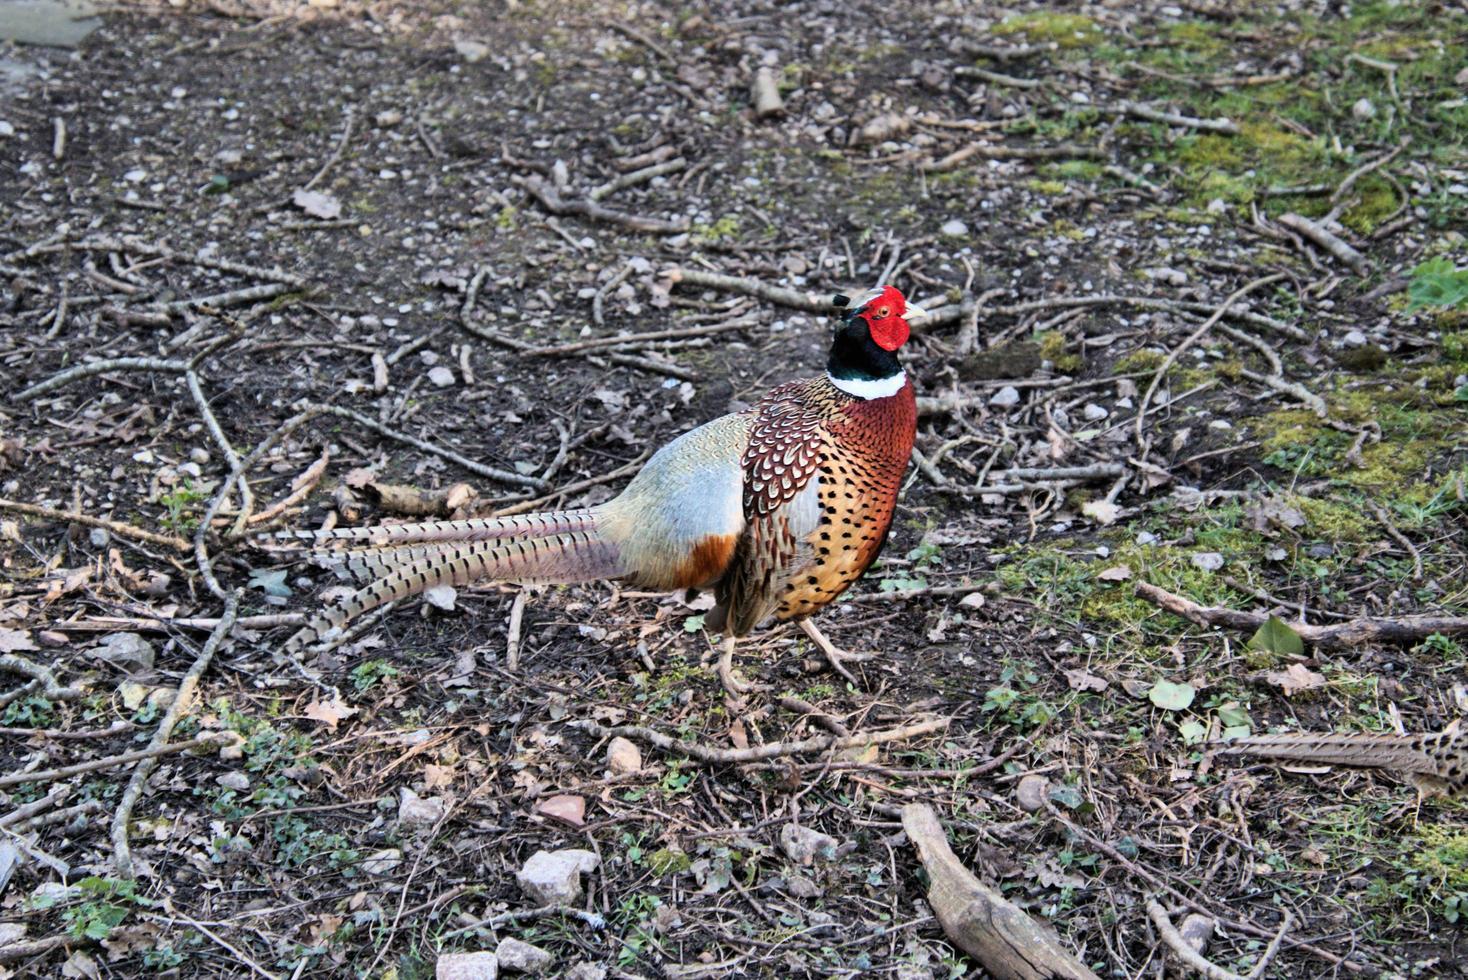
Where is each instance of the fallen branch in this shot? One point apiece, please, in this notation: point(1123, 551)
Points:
point(633, 339)
point(504, 476)
point(112, 624)
point(996, 78)
point(770, 750)
point(1352, 633)
point(1137, 111)
point(993, 151)
point(1326, 240)
point(556, 204)
point(134, 247)
point(101, 367)
point(122, 854)
point(1178, 944)
point(944, 315)
point(51, 775)
point(115, 527)
point(1006, 942)
point(1286, 387)
point(780, 296)
point(14, 663)
point(636, 177)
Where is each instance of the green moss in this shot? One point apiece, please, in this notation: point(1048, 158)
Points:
point(1335, 520)
point(1377, 201)
point(724, 228)
point(1065, 30)
point(1076, 169)
point(1052, 187)
point(1052, 349)
point(1139, 361)
point(1455, 346)
point(668, 860)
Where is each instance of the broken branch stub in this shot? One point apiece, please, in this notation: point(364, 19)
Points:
point(980, 921)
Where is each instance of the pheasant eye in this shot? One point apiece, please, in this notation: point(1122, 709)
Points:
point(883, 313)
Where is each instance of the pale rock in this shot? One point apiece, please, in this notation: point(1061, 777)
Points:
point(6, 129)
point(126, 650)
point(1029, 793)
point(383, 862)
point(623, 756)
point(441, 377)
point(1363, 109)
point(471, 51)
point(1173, 277)
point(199, 455)
point(1005, 397)
point(441, 597)
point(554, 877)
point(1354, 338)
point(388, 117)
point(522, 957)
point(414, 810)
point(99, 537)
point(236, 781)
point(1217, 206)
point(467, 966)
point(803, 845)
point(1208, 561)
point(586, 971)
point(954, 229)
point(1094, 412)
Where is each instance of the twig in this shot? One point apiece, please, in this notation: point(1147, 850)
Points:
point(234, 297)
point(504, 476)
point(350, 116)
point(115, 527)
point(556, 204)
point(111, 624)
point(598, 302)
point(1327, 241)
point(58, 138)
point(51, 775)
point(636, 177)
point(1292, 388)
point(778, 295)
point(1396, 535)
point(24, 812)
point(528, 915)
point(64, 815)
point(512, 642)
point(1182, 949)
point(1173, 354)
point(135, 247)
point(996, 78)
point(633, 339)
point(100, 367)
point(121, 854)
point(301, 488)
point(1366, 168)
point(239, 956)
point(1352, 633)
point(14, 663)
point(247, 497)
point(991, 151)
point(1137, 111)
point(770, 750)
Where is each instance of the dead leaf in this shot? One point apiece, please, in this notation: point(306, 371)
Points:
point(12, 640)
point(737, 735)
point(565, 807)
point(358, 478)
point(1080, 680)
point(1116, 573)
point(317, 204)
point(330, 713)
point(438, 777)
point(1294, 679)
point(1103, 512)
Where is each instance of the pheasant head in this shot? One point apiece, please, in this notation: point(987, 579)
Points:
point(863, 360)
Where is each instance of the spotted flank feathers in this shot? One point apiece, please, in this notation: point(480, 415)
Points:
point(1441, 755)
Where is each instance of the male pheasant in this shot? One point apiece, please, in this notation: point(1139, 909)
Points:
point(778, 509)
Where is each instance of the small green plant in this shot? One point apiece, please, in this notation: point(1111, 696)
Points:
point(924, 558)
point(32, 711)
point(1011, 701)
point(179, 505)
point(1442, 646)
point(105, 903)
point(1437, 282)
point(367, 675)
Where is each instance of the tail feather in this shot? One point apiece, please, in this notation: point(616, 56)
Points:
point(474, 529)
point(1440, 754)
point(495, 554)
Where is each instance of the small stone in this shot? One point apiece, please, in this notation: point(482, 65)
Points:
point(388, 117)
point(1363, 109)
point(1029, 793)
point(623, 756)
point(236, 781)
point(1094, 412)
point(1080, 98)
point(1354, 338)
point(1208, 561)
point(1173, 277)
point(1220, 425)
point(803, 845)
point(1217, 206)
point(126, 650)
point(1005, 397)
point(586, 971)
point(199, 455)
point(99, 537)
point(565, 807)
point(6, 129)
point(1197, 931)
point(471, 51)
point(554, 877)
point(442, 597)
point(954, 229)
point(467, 966)
point(382, 862)
point(441, 376)
point(802, 887)
point(522, 957)
point(415, 811)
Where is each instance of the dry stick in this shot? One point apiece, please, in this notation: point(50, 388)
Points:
point(504, 476)
point(22, 814)
point(1174, 119)
point(780, 296)
point(247, 497)
point(121, 854)
point(1173, 354)
point(301, 488)
point(336, 154)
point(636, 177)
point(512, 643)
point(1366, 168)
point(234, 297)
point(1006, 941)
point(1292, 388)
point(1396, 535)
point(239, 956)
point(50, 775)
point(14, 663)
point(134, 247)
point(633, 339)
point(115, 527)
point(1185, 952)
point(1327, 241)
point(64, 815)
point(990, 151)
point(520, 506)
point(770, 750)
point(996, 78)
point(1352, 633)
point(111, 624)
point(655, 155)
point(556, 204)
point(101, 367)
point(598, 301)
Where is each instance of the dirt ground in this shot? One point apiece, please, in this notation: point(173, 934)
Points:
point(303, 237)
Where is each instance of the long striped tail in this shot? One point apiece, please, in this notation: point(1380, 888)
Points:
point(1443, 755)
point(396, 560)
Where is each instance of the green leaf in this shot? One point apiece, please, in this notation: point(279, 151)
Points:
point(693, 624)
point(1192, 731)
point(1437, 282)
point(1275, 637)
point(272, 580)
point(1233, 716)
point(1067, 796)
point(1170, 696)
point(1237, 731)
point(1460, 394)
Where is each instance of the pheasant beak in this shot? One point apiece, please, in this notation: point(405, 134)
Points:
point(913, 310)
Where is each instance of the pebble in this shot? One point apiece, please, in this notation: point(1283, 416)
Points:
point(1363, 109)
point(471, 51)
point(954, 229)
point(586, 971)
point(415, 811)
point(1005, 397)
point(522, 957)
point(388, 117)
point(1094, 412)
point(467, 966)
point(382, 862)
point(199, 455)
point(1354, 338)
point(441, 376)
point(6, 129)
point(236, 781)
point(126, 650)
point(99, 537)
point(554, 877)
point(623, 756)
point(1029, 793)
point(804, 845)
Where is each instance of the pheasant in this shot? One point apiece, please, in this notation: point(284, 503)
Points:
point(1434, 761)
point(778, 509)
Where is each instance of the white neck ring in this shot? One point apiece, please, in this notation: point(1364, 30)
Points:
point(868, 390)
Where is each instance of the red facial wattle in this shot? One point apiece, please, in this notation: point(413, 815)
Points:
point(885, 317)
point(890, 333)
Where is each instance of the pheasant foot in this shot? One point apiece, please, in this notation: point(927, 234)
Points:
point(835, 656)
point(735, 685)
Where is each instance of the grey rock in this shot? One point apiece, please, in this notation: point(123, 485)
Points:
point(1005, 397)
point(954, 229)
point(623, 756)
point(415, 811)
point(126, 650)
point(467, 966)
point(1029, 792)
point(554, 877)
point(803, 845)
point(1363, 109)
point(1094, 412)
point(471, 51)
point(382, 862)
point(1354, 338)
point(522, 957)
point(236, 781)
point(586, 971)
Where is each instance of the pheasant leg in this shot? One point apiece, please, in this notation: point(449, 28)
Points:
point(835, 656)
point(735, 685)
